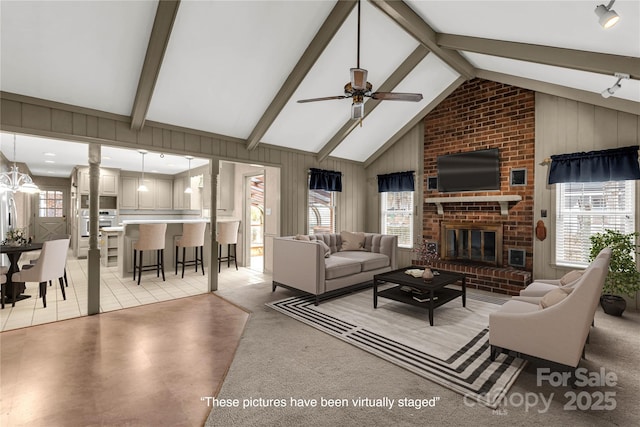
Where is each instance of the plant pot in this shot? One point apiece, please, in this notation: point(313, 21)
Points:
point(427, 274)
point(613, 305)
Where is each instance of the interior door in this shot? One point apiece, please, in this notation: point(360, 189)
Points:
point(50, 213)
point(254, 221)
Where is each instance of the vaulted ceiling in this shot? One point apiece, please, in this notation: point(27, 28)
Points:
point(237, 68)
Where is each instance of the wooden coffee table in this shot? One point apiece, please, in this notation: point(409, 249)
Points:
point(434, 291)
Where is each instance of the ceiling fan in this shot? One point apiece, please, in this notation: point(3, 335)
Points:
point(359, 88)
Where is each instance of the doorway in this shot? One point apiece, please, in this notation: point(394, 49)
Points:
point(254, 186)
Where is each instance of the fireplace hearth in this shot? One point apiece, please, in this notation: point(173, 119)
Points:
point(473, 243)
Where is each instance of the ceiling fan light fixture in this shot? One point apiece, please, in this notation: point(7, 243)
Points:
point(358, 78)
point(608, 17)
point(357, 110)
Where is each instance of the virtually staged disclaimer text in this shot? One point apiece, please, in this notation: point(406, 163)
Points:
point(292, 402)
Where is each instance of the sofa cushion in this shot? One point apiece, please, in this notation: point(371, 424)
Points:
point(352, 241)
point(513, 306)
point(325, 247)
point(537, 289)
point(302, 237)
point(571, 277)
point(369, 260)
point(336, 266)
point(554, 297)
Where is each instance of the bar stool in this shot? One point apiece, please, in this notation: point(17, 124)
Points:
point(151, 238)
point(192, 237)
point(227, 235)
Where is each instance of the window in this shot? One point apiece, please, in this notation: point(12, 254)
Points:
point(397, 216)
point(51, 204)
point(321, 211)
point(586, 208)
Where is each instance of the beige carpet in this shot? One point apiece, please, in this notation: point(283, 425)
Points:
point(453, 353)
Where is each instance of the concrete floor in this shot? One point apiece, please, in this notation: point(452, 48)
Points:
point(148, 365)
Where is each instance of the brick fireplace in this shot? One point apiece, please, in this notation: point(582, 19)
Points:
point(480, 115)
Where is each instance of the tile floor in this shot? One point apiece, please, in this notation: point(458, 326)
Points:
point(115, 292)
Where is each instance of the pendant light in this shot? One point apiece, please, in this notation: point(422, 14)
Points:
point(188, 190)
point(142, 186)
point(14, 180)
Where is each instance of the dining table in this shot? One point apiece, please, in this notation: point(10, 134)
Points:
point(14, 253)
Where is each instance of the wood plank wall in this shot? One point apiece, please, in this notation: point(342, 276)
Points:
point(566, 126)
point(404, 155)
point(38, 117)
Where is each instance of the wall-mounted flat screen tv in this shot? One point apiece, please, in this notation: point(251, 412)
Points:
point(470, 171)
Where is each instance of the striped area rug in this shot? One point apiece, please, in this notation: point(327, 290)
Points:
point(454, 352)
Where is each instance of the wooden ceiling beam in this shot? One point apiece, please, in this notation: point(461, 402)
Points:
point(160, 33)
point(413, 24)
point(329, 28)
point(594, 62)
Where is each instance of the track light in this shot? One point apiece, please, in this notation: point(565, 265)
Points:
point(613, 89)
point(608, 17)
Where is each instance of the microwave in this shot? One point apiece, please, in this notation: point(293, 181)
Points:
point(104, 202)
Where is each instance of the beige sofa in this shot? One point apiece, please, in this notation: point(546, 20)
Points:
point(302, 265)
point(559, 331)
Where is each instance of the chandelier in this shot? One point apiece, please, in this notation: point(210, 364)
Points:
point(14, 180)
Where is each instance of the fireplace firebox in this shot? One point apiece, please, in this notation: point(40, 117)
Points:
point(475, 243)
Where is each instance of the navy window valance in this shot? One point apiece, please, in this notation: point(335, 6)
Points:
point(617, 164)
point(399, 181)
point(325, 180)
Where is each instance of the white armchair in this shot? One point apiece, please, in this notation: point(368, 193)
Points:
point(50, 266)
point(557, 333)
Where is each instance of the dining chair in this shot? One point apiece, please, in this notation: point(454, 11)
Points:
point(227, 234)
point(151, 238)
point(192, 237)
point(3, 282)
point(50, 266)
point(57, 237)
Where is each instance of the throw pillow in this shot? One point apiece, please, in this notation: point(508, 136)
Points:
point(571, 277)
point(302, 237)
point(325, 247)
point(554, 297)
point(352, 241)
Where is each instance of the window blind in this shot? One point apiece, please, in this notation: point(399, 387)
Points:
point(321, 215)
point(584, 209)
point(397, 216)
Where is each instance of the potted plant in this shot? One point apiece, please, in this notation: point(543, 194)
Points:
point(623, 277)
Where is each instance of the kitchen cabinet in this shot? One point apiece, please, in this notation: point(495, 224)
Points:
point(181, 200)
point(159, 196)
point(129, 194)
point(109, 248)
point(147, 199)
point(163, 194)
point(206, 191)
point(107, 185)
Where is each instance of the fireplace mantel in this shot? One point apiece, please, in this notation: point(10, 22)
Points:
point(503, 201)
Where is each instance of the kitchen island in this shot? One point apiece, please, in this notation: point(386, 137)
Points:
point(129, 235)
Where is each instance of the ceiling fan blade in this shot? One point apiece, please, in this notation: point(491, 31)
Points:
point(397, 96)
point(326, 98)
